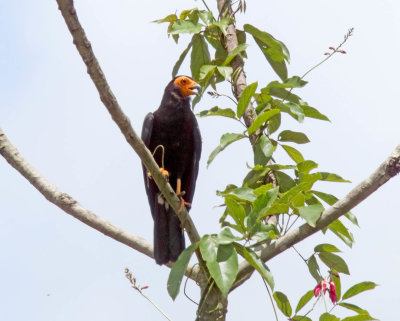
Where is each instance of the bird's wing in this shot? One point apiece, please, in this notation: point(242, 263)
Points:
point(190, 182)
point(151, 188)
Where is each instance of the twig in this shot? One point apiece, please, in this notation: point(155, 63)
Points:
point(305, 261)
point(388, 169)
point(140, 289)
point(270, 297)
point(334, 50)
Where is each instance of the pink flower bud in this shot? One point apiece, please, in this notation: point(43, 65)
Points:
point(317, 289)
point(144, 287)
point(326, 53)
point(332, 292)
point(331, 48)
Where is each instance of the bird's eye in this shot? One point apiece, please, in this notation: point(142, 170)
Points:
point(183, 81)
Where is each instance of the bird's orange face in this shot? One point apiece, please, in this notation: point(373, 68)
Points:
point(187, 85)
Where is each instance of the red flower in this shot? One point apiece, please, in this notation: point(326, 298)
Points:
point(317, 289)
point(332, 292)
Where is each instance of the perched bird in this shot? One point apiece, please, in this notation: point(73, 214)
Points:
point(172, 134)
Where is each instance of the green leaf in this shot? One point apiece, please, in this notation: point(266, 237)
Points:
point(334, 261)
point(331, 199)
point(328, 317)
point(236, 211)
point(226, 237)
point(225, 72)
point(169, 18)
point(360, 317)
point(206, 16)
point(243, 194)
point(178, 270)
point(264, 201)
point(313, 113)
point(216, 111)
point(255, 261)
point(304, 300)
point(274, 51)
point(306, 166)
point(223, 24)
point(283, 303)
point(263, 150)
point(225, 140)
point(274, 124)
point(185, 13)
point(285, 95)
point(301, 318)
point(185, 26)
point(245, 98)
point(261, 119)
point(325, 247)
point(293, 153)
point(358, 288)
point(285, 182)
point(200, 55)
point(295, 82)
point(206, 72)
point(331, 177)
point(353, 307)
point(221, 261)
point(234, 53)
point(180, 60)
point(291, 136)
point(342, 232)
point(314, 268)
point(296, 111)
point(311, 213)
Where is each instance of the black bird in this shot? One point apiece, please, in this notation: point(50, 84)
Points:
point(172, 134)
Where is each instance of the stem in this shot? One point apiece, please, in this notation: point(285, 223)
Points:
point(305, 261)
point(270, 297)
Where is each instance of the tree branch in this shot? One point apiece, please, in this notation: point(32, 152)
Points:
point(72, 207)
point(107, 97)
point(388, 169)
point(231, 42)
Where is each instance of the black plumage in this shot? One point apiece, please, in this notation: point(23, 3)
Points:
point(172, 134)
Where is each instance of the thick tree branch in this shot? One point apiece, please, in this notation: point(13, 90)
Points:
point(389, 168)
point(231, 42)
point(107, 97)
point(72, 207)
point(67, 203)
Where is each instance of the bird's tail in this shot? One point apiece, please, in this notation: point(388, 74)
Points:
point(169, 240)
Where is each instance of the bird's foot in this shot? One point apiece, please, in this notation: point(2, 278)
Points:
point(183, 202)
point(163, 172)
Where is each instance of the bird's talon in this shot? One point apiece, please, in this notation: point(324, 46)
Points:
point(183, 202)
point(164, 172)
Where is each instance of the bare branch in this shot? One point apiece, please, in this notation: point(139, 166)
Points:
point(72, 207)
point(388, 169)
point(67, 203)
point(107, 97)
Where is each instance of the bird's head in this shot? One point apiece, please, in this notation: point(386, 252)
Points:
point(186, 85)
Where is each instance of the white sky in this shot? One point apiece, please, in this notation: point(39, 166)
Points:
point(54, 268)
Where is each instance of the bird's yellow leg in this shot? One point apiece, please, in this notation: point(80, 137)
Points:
point(180, 195)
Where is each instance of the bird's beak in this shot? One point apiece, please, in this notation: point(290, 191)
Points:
point(198, 88)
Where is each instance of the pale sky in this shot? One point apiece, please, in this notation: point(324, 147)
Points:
point(55, 268)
